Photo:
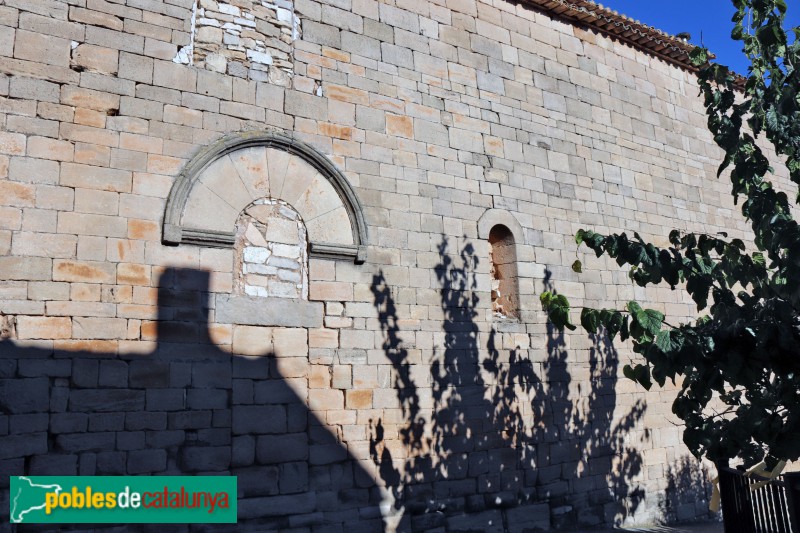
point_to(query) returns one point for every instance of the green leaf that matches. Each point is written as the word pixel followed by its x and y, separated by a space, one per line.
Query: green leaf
pixel 699 56
pixel 668 341
pixel 557 308
pixel 743 352
pixel 590 319
pixel 545 298
pixel 649 319
pixel 634 307
pixel 627 370
pixel 641 374
pixel 577 267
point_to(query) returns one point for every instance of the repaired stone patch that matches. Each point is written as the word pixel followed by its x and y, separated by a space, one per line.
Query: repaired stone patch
pixel 271 251
pixel 252 39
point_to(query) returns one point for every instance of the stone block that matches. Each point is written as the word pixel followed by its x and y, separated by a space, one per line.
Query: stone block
pixel 44 148
pixel 278 449
pixel 323 400
pixel 54 465
pixel 30 368
pixel 96 58
pixel 84 373
pixel 12 143
pixel 174 76
pixel 243 450
pixel 165 439
pixel 25 268
pixel 255 311
pixel 113 39
pixel 41 48
pixel 95 18
pixel 68 422
pixel 39 327
pixel 342 377
pixel 23 445
pixel 257 480
pixel 325 454
pixel 86 442
pixel 190 420
pixel 34 89
pixel 149 374
pixel 28 423
pixel 211 375
pixel 159 421
pixel 130 440
pixel 106 400
pixel 30 170
pixel 165 400
pixel 293 477
pixel 89 99
pixel 252 340
pixel 358 399
pixel 487 521
pixel 99 225
pixel 106 422
pixel 111 463
pixel 135 67
pixel 305 105
pixel 259 419
pixel 270 96
pixel 322 34
pixel 207 398
pixel 204 459
pixel 250 367
pixel 99 328
pixel 249 508
pixel 526 517
pixel 146 461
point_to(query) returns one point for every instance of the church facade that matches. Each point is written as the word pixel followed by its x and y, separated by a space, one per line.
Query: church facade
pixel 301 242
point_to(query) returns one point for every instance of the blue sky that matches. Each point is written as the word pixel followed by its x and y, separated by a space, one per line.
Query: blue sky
pixel 711 18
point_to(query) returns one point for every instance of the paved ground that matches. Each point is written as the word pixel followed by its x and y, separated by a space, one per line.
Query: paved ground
pixel 708 527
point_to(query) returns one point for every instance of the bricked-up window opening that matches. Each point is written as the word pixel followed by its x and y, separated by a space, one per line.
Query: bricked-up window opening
pixel 252 39
pixel 503 270
pixel 271 251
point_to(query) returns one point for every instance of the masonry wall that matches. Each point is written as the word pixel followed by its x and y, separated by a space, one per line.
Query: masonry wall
pixel 398 400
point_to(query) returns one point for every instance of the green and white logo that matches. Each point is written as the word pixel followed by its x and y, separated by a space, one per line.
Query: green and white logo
pixel 120 499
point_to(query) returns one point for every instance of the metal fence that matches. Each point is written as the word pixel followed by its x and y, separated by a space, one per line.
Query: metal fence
pixel 751 506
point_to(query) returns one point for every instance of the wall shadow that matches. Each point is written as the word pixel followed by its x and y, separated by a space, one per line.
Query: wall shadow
pixel 688 492
pixel 182 407
pixel 501 433
pixel 588 436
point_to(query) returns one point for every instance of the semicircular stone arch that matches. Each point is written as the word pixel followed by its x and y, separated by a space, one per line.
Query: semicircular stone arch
pixel 227 176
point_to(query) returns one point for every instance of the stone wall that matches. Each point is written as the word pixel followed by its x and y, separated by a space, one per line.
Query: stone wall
pixel 390 397
pixel 247 39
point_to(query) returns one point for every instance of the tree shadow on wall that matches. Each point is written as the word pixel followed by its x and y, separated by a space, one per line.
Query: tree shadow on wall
pixel 587 434
pixel 688 492
pixel 181 406
pixel 488 431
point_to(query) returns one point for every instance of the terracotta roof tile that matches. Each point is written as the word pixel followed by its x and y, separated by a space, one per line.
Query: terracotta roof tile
pixel 641 36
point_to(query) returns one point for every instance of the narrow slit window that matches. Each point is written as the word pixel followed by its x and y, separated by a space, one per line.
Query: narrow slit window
pixel 503 270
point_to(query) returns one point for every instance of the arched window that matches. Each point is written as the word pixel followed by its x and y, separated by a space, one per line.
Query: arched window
pixel 503 271
pixel 222 180
pixel 271 251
